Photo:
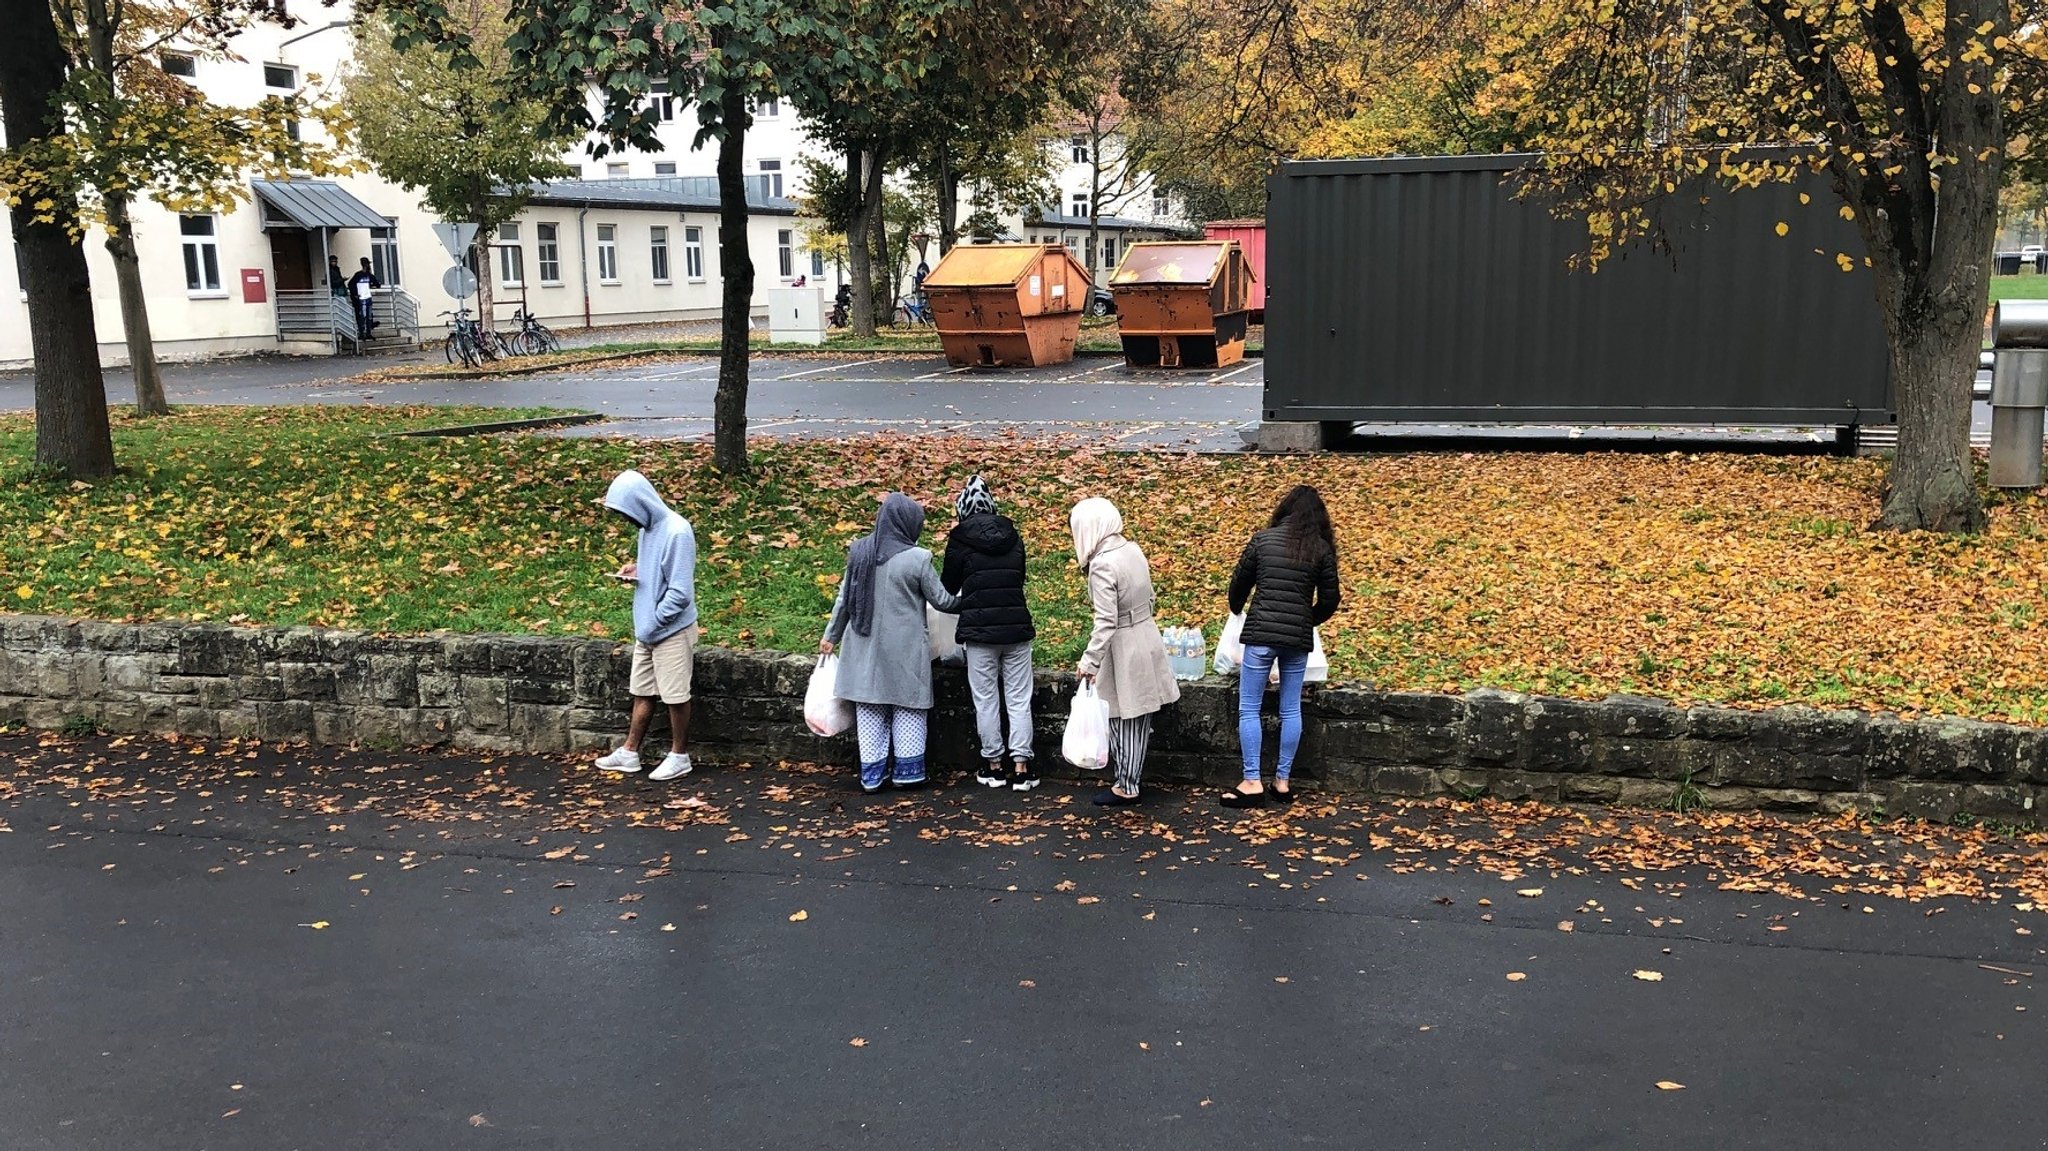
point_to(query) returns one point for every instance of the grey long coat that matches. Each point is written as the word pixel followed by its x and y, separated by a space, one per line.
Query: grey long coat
pixel 1125 651
pixel 893 664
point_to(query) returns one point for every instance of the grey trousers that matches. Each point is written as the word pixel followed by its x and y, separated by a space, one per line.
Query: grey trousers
pixel 1000 680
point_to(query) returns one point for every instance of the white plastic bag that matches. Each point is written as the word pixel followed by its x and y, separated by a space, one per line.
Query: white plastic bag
pixel 1318 665
pixel 1086 742
pixel 941 629
pixel 1230 645
pixel 824 712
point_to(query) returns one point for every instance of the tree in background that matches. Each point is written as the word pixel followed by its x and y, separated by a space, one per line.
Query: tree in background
pixel 465 138
pixel 1911 106
pixel 72 438
pixel 134 130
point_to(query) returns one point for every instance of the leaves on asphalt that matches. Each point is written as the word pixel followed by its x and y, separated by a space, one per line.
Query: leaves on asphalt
pixel 799 916
pixel 1650 976
pixel 1517 976
pixel 1668 1085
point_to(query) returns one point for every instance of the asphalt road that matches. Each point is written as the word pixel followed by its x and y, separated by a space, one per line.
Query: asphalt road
pixel 1093 397
pixel 203 950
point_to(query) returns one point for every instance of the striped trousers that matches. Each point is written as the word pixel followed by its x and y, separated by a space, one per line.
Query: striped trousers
pixel 1128 739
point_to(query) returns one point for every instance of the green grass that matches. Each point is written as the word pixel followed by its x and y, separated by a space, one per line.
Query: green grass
pixel 2027 286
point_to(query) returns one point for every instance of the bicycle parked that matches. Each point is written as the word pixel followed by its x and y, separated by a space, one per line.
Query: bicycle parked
pixel 533 337
pixel 468 341
pixel 915 310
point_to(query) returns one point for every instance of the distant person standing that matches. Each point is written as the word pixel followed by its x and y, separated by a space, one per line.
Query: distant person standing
pixel 1288 572
pixel 663 573
pixel 336 282
pixel 360 287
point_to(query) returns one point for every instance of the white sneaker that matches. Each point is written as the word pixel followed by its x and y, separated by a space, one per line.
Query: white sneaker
pixel 677 764
pixel 624 761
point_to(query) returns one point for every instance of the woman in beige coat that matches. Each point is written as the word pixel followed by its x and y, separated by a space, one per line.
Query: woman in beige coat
pixel 1126 658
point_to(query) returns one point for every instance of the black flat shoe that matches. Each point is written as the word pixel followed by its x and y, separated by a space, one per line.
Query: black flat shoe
pixel 1108 797
pixel 1281 797
pixel 1236 798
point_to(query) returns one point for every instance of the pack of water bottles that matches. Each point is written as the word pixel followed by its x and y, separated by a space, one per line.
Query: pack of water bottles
pixel 1187 652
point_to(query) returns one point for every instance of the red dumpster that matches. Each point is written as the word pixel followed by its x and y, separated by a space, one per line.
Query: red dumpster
pixel 1251 236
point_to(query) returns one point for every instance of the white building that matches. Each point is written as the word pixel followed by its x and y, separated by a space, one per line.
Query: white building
pixel 253 279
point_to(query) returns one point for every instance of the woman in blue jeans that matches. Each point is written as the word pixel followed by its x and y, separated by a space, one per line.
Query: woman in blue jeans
pixel 1289 573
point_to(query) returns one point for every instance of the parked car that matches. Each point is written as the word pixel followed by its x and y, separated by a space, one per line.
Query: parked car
pixel 1101 302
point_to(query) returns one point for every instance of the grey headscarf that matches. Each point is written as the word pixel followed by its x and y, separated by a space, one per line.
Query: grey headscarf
pixel 975 500
pixel 897 526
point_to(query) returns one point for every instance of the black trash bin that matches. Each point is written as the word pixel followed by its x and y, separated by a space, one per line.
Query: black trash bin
pixel 2008 264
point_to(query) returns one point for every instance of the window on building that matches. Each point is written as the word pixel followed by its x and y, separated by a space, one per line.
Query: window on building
pixel 607 253
pixel 785 253
pixel 615 171
pixel 771 176
pixel 664 167
pixel 280 76
pixel 1161 202
pixel 384 253
pixel 1108 252
pixel 1077 147
pixel 548 250
pixel 693 253
pixel 511 257
pixel 202 254
pixel 657 253
pixel 1080 203
pixel 817 264
pixel 179 64
pixel 770 108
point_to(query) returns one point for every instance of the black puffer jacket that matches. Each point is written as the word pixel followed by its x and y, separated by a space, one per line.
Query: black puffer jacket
pixel 1291 600
pixel 984 566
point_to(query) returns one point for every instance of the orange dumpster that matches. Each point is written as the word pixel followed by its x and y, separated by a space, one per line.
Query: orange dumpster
pixel 1008 305
pixel 1183 303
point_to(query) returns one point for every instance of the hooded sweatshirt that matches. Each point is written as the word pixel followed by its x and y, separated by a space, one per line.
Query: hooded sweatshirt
pixel 984 566
pixel 665 598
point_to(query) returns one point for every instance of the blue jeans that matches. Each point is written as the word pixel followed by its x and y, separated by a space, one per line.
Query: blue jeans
pixel 1251 696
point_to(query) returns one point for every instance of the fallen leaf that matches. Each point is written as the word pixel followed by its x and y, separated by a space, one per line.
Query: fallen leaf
pixel 560 884
pixel 668 927
pixel 317 925
pixel 231 1114
pixel 554 911
pixel 1566 925
pixel 629 916
pixel 478 1120
pixel 799 917
pixel 1085 900
pixel 1279 979
pixel 1529 892
pixel 1517 976
pixel 358 875
pixel 1668 1085
pixel 856 1041
pixel 1026 983
pixel 1650 976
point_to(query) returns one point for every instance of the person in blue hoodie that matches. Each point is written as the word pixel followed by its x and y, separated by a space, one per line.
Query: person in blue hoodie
pixel 664 579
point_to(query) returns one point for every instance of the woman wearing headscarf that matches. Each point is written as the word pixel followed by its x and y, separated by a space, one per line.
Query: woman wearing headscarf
pixel 985 565
pixel 1289 573
pixel 1126 658
pixel 885 670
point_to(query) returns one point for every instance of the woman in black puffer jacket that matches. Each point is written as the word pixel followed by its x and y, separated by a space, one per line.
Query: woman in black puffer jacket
pixel 984 566
pixel 1289 573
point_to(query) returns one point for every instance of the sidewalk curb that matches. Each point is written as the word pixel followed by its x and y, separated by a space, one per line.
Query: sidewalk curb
pixel 790 352
pixel 496 426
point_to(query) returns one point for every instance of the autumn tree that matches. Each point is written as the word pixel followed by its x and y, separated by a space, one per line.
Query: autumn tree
pixel 72 437
pixel 1910 107
pixel 134 131
pixel 466 138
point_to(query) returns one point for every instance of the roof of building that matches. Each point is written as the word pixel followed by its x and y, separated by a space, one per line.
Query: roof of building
pixel 314 204
pixel 665 193
pixel 1117 223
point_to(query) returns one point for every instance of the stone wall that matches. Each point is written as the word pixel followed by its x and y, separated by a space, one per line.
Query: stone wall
pixel 556 695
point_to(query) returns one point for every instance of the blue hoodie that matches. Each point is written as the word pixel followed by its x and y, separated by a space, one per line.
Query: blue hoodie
pixel 665 598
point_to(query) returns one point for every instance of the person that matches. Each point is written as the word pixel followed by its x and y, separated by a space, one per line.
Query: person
pixel 984 565
pixel 1289 573
pixel 336 282
pixel 799 282
pixel 664 578
pixel 886 669
pixel 360 286
pixel 1125 658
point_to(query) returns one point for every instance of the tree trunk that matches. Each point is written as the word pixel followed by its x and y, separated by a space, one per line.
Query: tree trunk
pixel 864 168
pixel 892 264
pixel 149 380
pixel 480 249
pixel 1932 482
pixel 736 262
pixel 949 200
pixel 72 438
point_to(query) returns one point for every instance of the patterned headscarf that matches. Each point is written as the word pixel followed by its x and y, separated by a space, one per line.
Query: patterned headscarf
pixel 975 500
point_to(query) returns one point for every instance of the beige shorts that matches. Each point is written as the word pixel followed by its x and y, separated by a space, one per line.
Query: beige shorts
pixel 664 669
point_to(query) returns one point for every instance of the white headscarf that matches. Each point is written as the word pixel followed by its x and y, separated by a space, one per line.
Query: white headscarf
pixel 1095 522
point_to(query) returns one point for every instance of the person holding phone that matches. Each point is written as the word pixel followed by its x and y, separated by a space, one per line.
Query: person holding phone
pixel 664 578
